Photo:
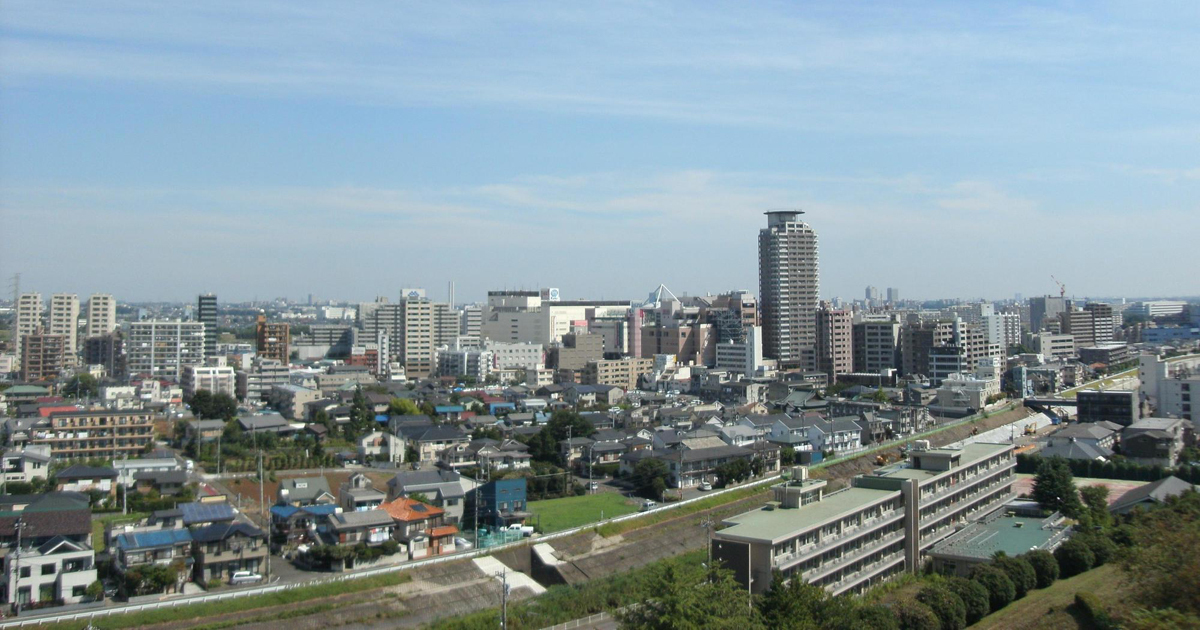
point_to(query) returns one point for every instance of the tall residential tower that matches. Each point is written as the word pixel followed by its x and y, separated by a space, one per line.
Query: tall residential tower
pixel 788 284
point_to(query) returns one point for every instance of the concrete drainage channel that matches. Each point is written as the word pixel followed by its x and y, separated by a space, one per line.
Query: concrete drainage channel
pixel 481 558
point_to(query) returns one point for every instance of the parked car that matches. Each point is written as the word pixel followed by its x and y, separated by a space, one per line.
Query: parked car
pixel 462 544
pixel 705 486
pixel 647 505
pixel 244 577
pixel 526 530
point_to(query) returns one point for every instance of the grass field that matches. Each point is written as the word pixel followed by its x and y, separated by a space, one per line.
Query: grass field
pixel 1051 608
pixel 559 514
pixel 99 523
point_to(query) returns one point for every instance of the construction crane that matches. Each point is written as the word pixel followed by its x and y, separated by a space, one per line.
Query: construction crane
pixel 1062 288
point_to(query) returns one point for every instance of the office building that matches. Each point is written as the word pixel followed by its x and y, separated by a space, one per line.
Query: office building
pixel 1108 405
pixel 1052 346
pixel 575 351
pixel 101 315
pixel 162 348
pixel 692 342
pixel 788 288
pixel 411 330
pixel 1156 308
pixel 29 318
pixel 471 320
pixel 1043 309
pixel 875 343
pixel 272 340
pixel 835 341
pixel 884 524
pixel 206 314
pixel 43 356
pixel 743 357
pixel 871 295
pixel 64 320
pixel 893 296
pixel 1092 325
pixel 447 324
pixel 1110 354
pixel 916 342
pixel 110 434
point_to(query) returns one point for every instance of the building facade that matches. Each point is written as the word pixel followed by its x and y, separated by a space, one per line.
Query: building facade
pixel 111 434
pixel 788 288
pixel 835 341
pixel 206 314
pixel 163 348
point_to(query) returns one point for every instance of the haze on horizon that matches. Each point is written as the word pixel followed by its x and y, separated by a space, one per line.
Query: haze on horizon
pixel 155 151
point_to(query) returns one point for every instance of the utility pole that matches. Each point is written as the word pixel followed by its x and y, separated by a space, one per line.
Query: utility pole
pixel 20 527
pixel 263 514
pixel 503 599
pixel 707 524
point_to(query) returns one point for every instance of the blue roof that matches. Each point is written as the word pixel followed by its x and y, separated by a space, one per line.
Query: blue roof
pixel 160 538
pixel 196 512
pixel 383 417
pixel 287 511
pixel 449 408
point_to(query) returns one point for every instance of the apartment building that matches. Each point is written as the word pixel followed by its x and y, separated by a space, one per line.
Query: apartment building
pixel 206 315
pixel 875 343
pixel 108 433
pixel 272 339
pixel 43 356
pixel 1168 387
pixel 1092 325
pixel 744 357
pixel 29 318
pixel 107 350
pixel 163 348
pixel 916 342
pixel 621 373
pixel 574 351
pixel 214 379
pixel 255 384
pixel 1045 309
pixel 788 288
pixel 101 315
pixel 690 341
pixel 63 320
pixel 1052 345
pixel 411 329
pixel 835 341
pixel 884 524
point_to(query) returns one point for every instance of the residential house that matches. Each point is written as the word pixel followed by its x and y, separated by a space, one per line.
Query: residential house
pixel 204 430
pixel 1153 441
pixel 445 489
pixel 87 479
pixel 127 469
pixel 25 465
pixel 380 446
pixel 1150 495
pixel 222 549
pixel 691 467
pixel 502 455
pixel 301 491
pixel 430 440
pixel 164 482
pixel 162 547
pixel 371 527
pixel 421 528
pixel 502 502
pixel 358 494
pixel 294 525
pixel 266 423
pixel 55 572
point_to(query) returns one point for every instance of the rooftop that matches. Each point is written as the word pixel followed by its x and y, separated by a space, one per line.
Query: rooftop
pixel 1002 531
pixel 967 454
pixel 779 524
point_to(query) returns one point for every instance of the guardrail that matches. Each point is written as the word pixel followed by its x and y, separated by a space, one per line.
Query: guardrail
pixel 406 566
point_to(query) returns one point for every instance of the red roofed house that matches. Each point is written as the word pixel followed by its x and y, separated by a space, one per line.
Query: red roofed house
pixel 420 527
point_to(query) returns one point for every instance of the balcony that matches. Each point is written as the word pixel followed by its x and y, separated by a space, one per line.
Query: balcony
pixel 828 541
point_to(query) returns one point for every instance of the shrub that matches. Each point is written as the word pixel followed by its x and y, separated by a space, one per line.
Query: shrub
pixel 913 615
pixel 949 607
pixel 1022 574
pixel 1074 557
pixel 974 596
pixel 1000 589
pixel 874 616
pixel 214 583
pixel 1045 567
pixel 1103 548
pixel 1092 610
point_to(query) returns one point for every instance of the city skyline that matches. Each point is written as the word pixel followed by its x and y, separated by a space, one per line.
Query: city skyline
pixel 920 143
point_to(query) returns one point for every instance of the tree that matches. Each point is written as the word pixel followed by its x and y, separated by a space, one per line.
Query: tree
pixel 734 471
pixel 973 595
pixel 1054 487
pixel 792 604
pixel 206 405
pixel 1000 589
pixel 1074 557
pixel 693 597
pixel 1022 574
pixel 1102 547
pixel 787 456
pixel 650 478
pixel 913 615
pixel 403 407
pixel 1045 567
pixel 1162 564
pixel 757 466
pixel 82 385
pixel 946 604
pixel 1095 504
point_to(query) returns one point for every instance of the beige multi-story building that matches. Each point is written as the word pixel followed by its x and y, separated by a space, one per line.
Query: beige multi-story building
pixel 214 379
pixel 101 315
pixel 43 356
pixel 884 524
pixel 621 373
pixel 575 351
pixel 447 324
pixel 788 288
pixel 835 341
pixel 64 320
pixel 1052 346
pixel 876 343
pixel 1090 326
pixel 163 348
pixel 272 339
pixel 30 317
pixel 690 342
pixel 109 433
pixel 412 331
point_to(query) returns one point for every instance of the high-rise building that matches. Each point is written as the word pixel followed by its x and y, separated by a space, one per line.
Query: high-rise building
pixel 893 295
pixel 447 324
pixel 1090 326
pixel 272 339
pixel 64 320
pixel 43 356
pixel 411 330
pixel 29 318
pixel 206 313
pixel 1044 308
pixel 107 350
pixel 101 315
pixel 876 344
pixel 162 348
pixel 871 294
pixel 835 339
pixel 788 288
pixel 471 320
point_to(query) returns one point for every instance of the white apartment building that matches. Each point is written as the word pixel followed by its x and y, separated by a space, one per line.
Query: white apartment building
pixel 163 348
pixel 746 357
pixel 101 314
pixel 30 314
pixel 525 356
pixel 1003 329
pixel 1168 386
pixel 788 288
pixel 1053 345
pixel 1156 308
pixel 64 320
pixel 217 380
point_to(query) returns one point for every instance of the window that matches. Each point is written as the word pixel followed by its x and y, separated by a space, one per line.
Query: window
pixel 78 591
pixel 25 572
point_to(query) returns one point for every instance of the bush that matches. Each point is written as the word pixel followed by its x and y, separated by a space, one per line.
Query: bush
pixel 214 583
pixel 1023 577
pixel 973 595
pixel 1093 611
pixel 1044 566
pixel 1000 589
pixel 913 615
pixel 949 607
pixel 1074 557
pixel 1103 548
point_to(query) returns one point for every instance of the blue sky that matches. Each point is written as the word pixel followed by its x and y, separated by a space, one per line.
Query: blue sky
pixel 158 150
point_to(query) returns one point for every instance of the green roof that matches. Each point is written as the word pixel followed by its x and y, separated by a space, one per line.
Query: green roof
pixel 26 389
pixel 780 523
pixel 1014 535
pixel 967 454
